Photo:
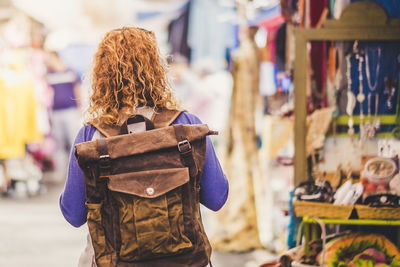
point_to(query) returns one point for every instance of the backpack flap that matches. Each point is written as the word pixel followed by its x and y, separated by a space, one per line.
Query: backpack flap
pixel 148 184
pixel 139 143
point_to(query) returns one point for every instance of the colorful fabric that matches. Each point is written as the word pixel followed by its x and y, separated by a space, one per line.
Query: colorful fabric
pixel 18 110
pixel 63 84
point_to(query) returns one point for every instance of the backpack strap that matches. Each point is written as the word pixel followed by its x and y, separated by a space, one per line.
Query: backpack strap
pixel 165 117
pixel 185 149
pixel 105 129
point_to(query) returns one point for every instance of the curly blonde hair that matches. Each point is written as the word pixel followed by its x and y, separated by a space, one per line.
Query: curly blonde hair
pixel 128 72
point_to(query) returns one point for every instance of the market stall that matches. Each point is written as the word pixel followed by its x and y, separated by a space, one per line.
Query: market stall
pixel 346 148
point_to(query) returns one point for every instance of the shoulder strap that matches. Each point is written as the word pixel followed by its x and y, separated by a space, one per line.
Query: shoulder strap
pixel 105 129
pixel 165 117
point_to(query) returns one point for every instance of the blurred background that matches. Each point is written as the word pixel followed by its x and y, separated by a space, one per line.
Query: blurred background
pixel 230 63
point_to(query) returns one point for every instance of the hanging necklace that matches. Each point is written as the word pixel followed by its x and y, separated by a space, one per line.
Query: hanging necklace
pixel 377 121
pixel 361 96
pixel 390 85
pixel 367 70
pixel 335 77
pixel 351 99
pixel 372 128
pixel 369 129
pixel 396 130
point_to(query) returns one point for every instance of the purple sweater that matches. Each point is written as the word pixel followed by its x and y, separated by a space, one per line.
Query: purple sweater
pixel 214 185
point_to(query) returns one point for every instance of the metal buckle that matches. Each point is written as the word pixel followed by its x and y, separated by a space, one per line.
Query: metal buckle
pixel 104 161
pixel 182 143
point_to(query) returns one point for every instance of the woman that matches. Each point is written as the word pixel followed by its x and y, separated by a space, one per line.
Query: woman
pixel 129 77
pixel 65 110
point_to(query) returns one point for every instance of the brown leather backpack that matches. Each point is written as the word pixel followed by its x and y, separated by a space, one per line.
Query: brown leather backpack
pixel 142 193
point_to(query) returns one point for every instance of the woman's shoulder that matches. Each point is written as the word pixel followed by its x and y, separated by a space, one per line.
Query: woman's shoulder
pixel 85 133
pixel 187 118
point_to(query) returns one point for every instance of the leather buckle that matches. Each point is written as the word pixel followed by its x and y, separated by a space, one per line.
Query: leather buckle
pixel 181 147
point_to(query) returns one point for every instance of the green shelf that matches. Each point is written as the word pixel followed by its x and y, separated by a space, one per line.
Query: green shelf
pixel 384 119
pixel 310 220
pixel 342 120
pixel 307 219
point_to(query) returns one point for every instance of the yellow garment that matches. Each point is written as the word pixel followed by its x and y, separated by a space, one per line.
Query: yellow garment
pixel 18 109
pixel 277 134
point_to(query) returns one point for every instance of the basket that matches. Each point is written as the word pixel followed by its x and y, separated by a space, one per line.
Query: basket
pixel 322 210
pixel 382 213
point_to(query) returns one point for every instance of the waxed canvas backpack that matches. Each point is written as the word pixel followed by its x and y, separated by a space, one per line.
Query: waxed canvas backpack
pixel 142 193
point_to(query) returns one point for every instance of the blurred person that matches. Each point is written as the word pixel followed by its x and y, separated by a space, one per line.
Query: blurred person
pixel 65 114
pixel 129 78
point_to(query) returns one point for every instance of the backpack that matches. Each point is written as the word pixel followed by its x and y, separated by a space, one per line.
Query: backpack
pixel 143 193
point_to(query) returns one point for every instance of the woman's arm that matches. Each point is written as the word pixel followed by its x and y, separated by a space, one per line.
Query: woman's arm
pixel 214 185
pixel 72 199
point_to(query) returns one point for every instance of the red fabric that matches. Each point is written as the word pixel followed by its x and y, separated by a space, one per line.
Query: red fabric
pixel 318 53
pixel 271 25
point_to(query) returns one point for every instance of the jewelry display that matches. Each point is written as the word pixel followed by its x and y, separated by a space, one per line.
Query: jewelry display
pixel 372 128
pixel 361 95
pixel 377 121
pixel 351 99
pixel 390 85
pixel 396 130
pixel 390 90
pixel 369 129
pixel 372 87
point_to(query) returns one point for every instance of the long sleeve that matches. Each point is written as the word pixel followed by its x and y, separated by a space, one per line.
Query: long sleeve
pixel 214 185
pixel 72 200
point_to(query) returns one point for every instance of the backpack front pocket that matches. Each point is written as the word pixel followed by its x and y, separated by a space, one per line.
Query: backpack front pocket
pixel 151 213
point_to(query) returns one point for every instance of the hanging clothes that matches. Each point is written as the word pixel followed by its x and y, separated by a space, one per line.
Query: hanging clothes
pixel 280 50
pixel 290 9
pixel 318 56
pixel 18 114
pixel 178 32
pixel 209 37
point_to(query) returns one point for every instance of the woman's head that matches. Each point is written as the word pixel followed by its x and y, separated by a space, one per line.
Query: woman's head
pixel 128 72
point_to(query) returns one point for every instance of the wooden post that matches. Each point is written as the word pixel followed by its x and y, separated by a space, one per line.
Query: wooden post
pixel 300 108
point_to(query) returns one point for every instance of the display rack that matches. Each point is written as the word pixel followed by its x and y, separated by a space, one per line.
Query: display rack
pixel 363 21
pixel 313 222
